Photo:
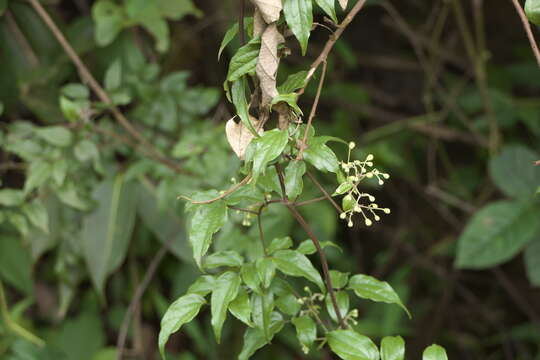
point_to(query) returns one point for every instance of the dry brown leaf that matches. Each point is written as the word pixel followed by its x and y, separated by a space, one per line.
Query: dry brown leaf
pixel 258 23
pixel 239 136
pixel 268 62
pixel 343 4
pixel 270 9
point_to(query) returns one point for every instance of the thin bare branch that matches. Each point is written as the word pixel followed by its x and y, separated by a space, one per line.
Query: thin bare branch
pixel 222 195
pixel 528 30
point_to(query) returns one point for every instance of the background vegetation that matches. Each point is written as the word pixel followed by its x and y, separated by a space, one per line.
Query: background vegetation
pixel 444 94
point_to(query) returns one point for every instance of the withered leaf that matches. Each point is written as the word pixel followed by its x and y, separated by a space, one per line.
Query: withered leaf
pixel 343 3
pixel 267 63
pixel 270 9
pixel 239 135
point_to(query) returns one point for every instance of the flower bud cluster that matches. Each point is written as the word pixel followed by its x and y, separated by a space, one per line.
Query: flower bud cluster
pixel 355 201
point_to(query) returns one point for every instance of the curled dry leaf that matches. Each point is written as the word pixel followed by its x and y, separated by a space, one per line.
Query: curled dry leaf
pixel 258 23
pixel 239 136
pixel 343 4
pixel 268 62
pixel 270 9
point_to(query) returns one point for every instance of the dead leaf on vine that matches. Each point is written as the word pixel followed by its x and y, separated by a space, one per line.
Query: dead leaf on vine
pixel 268 62
pixel 258 23
pixel 270 9
pixel 343 4
pixel 239 136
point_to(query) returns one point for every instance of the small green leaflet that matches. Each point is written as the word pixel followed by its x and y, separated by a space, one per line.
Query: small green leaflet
pixel 496 233
pixel 11 197
pixel 294 263
pixel 36 212
pixel 434 352
pixel 109 19
pixel 349 345
pixel 245 60
pixel 266 269
pixel 180 312
pixel 532 9
pixel 342 299
pixel 329 8
pixel 306 331
pixel 368 287
pixel 254 339
pixel 320 155
pixel 55 135
pixel 306 247
pixel 229 35
pixel 206 221
pixel 279 244
pixel 289 99
pixel 262 307
pixel 203 285
pixel 238 93
pixel 299 17
pixel 339 279
pixel 223 258
pixel 264 149
pixel 224 292
pixel 294 82
pixel 240 307
pixel 288 303
pixel 294 184
pixel 392 348
pixel 250 277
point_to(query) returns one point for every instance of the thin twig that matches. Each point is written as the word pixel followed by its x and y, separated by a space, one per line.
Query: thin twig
pixel 312 113
pixel 241 27
pixel 87 76
pixel 311 201
pixel 322 189
pixel 222 195
pixel 528 30
pixel 311 234
pixel 137 297
pixel 332 41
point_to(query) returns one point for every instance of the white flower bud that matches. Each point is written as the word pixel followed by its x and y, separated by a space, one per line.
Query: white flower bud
pixel 377 218
pixel 350 224
pixel 357 209
pixel 352 145
pixel 342 215
pixel 381 182
pixel 370 157
pixel 386 211
pixel 368 222
pixel 386 176
pixel 371 198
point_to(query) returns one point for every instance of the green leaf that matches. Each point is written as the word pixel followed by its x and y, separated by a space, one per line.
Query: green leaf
pixel 532 9
pixel 109 19
pixel 15 263
pixel 69 195
pixel 59 171
pixel 342 299
pixel 339 279
pixel 223 258
pixel 279 244
pixel 39 172
pixel 288 303
pixel 321 156
pixel 71 109
pixel 86 150
pixel 266 269
pixel 513 171
pixel 55 135
pixel 238 93
pixel 254 339
pixel 294 263
pixel 206 221
pixel 306 331
pixel 240 307
pixel 299 17
pixel 329 8
pixel 11 197
pixel 294 82
pixel 177 9
pixel 36 212
pixel 76 91
pixel 434 352
pixel 180 312
pixel 392 348
pixel 349 345
pixel 250 277
pixel 113 76
pixel 245 60
pixel 289 99
pixel 266 148
pixel 532 261
pixel 306 247
pixel 496 233
pixel 225 291
pixel 19 222
pixel 229 35
pixel 106 232
pixel 203 285
pixel 368 287
pixel 343 188
pixel 294 184
pixel 262 307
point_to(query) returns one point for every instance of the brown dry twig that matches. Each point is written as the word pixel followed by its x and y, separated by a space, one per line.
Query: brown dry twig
pixel 222 195
pixel 528 30
pixel 87 77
